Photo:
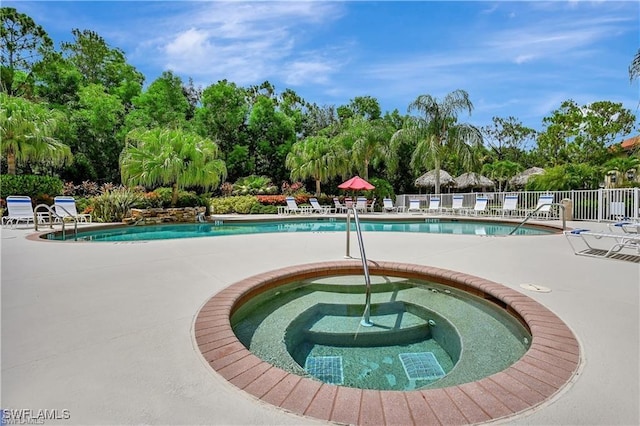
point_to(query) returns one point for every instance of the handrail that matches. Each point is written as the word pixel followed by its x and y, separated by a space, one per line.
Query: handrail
pixel 562 207
pixel 367 279
pixel 52 211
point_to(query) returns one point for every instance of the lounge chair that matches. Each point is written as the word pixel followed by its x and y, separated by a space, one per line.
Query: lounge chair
pixel 456 205
pixel 479 208
pixel 65 208
pixel 599 244
pixel 292 206
pixel 388 207
pixel 372 207
pixel 414 206
pixel 339 207
pixel 543 208
pixel 509 206
pixel 625 227
pixel 317 208
pixel 361 205
pixel 434 205
pixel 617 210
pixel 19 209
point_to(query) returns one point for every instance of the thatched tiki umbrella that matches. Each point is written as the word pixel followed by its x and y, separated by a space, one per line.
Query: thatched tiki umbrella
pixel 429 179
pixel 473 180
pixel 521 179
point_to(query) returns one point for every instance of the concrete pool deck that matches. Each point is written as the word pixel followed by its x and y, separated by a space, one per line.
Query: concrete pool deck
pixel 106 330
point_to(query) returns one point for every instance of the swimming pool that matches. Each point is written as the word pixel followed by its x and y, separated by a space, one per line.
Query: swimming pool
pixel 234 227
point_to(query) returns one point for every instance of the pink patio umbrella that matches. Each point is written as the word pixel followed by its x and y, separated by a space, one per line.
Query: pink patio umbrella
pixel 356 183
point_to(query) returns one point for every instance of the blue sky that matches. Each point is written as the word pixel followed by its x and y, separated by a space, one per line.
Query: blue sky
pixel 520 58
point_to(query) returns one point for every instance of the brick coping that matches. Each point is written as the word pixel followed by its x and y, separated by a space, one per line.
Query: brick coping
pixel 550 364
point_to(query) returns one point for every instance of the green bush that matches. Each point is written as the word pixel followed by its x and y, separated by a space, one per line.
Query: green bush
pixel 38 187
pixel 115 205
pixel 383 190
pixel 236 204
pixel 263 209
pixel 253 185
pixel 161 197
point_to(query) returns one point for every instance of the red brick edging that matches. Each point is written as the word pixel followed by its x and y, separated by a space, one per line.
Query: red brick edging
pixel 546 368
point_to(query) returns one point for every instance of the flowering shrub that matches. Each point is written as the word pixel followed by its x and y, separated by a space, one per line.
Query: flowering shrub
pixel 295 188
pixel 226 189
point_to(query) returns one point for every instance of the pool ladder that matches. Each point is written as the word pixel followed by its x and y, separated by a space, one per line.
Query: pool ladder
pixel 365 322
pixel 563 215
pixel 52 213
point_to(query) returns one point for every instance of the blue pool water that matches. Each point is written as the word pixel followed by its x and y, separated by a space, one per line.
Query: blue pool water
pixel 219 228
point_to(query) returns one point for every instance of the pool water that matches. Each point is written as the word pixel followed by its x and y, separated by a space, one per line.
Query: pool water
pixel 424 335
pixel 220 228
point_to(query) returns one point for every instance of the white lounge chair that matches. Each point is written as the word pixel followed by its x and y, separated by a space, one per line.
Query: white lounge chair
pixel 361 205
pixel 456 205
pixel 19 209
pixel 414 206
pixel 509 206
pixel 434 205
pixel 388 207
pixel 292 206
pixel 625 227
pixel 317 208
pixel 372 207
pixel 598 244
pixel 65 207
pixel 479 208
pixel 543 208
pixel 617 210
pixel 339 207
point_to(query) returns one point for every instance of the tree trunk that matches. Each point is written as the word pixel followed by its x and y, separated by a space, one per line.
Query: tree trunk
pixel 174 195
pixel 11 163
pixel 317 187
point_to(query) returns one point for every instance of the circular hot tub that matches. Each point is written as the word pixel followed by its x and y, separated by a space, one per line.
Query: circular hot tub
pixel 421 357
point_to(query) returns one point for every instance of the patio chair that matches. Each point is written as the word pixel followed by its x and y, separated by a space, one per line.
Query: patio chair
pixel 372 207
pixel 339 207
pixel 599 244
pixel 361 205
pixel 317 208
pixel 509 206
pixel 414 206
pixel 388 207
pixel 292 206
pixel 625 227
pixel 479 208
pixel 19 209
pixel 434 205
pixel 543 208
pixel 456 205
pixel 65 208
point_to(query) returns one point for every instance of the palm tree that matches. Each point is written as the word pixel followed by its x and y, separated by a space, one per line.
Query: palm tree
pixel 171 157
pixel 438 131
pixel 316 157
pixel 634 68
pixel 368 141
pixel 501 171
pixel 621 167
pixel 26 134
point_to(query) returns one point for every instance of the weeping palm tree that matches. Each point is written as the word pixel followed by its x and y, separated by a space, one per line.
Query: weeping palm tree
pixel 368 142
pixel 318 158
pixel 26 134
pixel 634 68
pixel 171 157
pixel 437 132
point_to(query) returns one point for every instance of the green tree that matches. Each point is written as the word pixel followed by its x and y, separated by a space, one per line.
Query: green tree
pixel 97 124
pixel 622 166
pixel 22 45
pixel 501 171
pixel 367 141
pixel 575 134
pixel 506 138
pixel 566 177
pixel 271 134
pixel 223 115
pixel 171 157
pixel 57 80
pixel 100 64
pixel 316 157
pixel 162 104
pixel 437 131
pixel 27 134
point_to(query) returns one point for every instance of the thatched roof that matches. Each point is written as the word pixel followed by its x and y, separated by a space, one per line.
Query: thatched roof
pixel 473 180
pixel 429 179
pixel 522 178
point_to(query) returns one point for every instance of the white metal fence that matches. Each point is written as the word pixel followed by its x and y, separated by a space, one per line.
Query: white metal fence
pixel 590 205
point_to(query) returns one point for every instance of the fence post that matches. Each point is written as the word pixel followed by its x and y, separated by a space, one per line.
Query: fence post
pixel 636 203
pixel 600 204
